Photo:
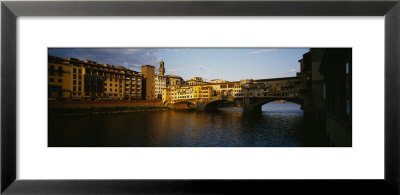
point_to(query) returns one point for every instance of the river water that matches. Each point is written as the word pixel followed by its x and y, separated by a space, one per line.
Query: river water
pixel 276 126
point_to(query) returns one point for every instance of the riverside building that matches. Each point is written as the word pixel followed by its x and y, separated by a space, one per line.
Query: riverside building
pixel 73 79
pixel 196 81
pixel 149 75
pixel 160 81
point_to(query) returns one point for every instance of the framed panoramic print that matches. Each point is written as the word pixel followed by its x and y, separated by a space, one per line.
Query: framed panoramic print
pixel 199 97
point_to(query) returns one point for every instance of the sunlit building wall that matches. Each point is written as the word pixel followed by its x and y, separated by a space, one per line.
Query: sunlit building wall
pixel 73 79
pixel 195 81
pixel 173 81
pixel 59 79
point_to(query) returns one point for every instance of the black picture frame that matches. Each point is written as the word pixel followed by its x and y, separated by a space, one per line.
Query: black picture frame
pixel 10 10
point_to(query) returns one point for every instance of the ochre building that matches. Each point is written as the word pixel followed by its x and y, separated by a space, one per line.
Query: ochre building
pixel 73 79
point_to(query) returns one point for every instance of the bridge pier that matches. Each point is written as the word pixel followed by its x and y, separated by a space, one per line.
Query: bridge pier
pixel 200 106
pixel 249 107
pixel 204 106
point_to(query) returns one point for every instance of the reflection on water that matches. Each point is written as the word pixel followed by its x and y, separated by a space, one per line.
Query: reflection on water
pixel 276 126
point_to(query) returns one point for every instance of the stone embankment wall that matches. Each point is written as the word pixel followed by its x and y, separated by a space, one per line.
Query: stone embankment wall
pixel 69 108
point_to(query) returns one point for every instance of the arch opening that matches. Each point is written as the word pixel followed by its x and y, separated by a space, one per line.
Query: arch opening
pixel 184 105
pixel 214 105
pixel 283 106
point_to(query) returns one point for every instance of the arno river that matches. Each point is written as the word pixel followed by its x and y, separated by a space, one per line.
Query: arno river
pixel 276 126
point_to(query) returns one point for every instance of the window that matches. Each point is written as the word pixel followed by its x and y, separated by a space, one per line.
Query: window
pixel 348 89
pixel 80 71
pixel 79 82
pixel 60 71
pixel 51 80
pixel 74 82
pixel 59 80
pixel 74 70
pixel 52 70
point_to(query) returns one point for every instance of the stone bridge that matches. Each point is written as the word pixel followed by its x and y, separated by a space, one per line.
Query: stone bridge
pixel 251 94
pixel 203 104
pixel 254 104
pixel 249 104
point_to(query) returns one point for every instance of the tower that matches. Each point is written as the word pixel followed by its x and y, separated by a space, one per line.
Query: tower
pixel 148 84
pixel 161 69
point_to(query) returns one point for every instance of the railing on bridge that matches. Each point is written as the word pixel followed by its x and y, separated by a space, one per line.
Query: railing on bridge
pixel 232 98
pixel 271 95
pixel 208 99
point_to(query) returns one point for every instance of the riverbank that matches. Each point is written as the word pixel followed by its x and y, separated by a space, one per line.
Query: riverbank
pixel 79 108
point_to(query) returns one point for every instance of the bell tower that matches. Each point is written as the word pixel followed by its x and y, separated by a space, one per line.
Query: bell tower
pixel 161 69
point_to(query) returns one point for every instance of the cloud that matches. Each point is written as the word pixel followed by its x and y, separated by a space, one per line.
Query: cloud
pixel 131 58
pixel 200 67
pixel 131 51
pixel 289 72
pixel 168 50
pixel 263 51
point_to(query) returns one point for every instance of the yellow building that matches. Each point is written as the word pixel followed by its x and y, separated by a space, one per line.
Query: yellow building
pixel 181 93
pixel 78 82
pixel 201 92
pixel 206 92
pixel 59 79
pixel 73 79
pixel 196 81
pixel 166 95
pixel 196 92
pixel 174 94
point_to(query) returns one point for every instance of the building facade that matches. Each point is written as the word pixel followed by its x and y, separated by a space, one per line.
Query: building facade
pixel 73 79
pixel 173 81
pixel 148 72
pixel 60 79
pixel 160 81
pixel 326 82
pixel 133 85
pixel 336 68
pixel 195 81
pixel 218 81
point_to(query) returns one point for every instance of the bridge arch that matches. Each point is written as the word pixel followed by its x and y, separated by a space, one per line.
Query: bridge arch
pixel 182 105
pixel 214 105
pixel 296 101
pixel 255 104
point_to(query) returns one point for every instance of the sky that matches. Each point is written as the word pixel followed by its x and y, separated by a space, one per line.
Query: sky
pixel 231 64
